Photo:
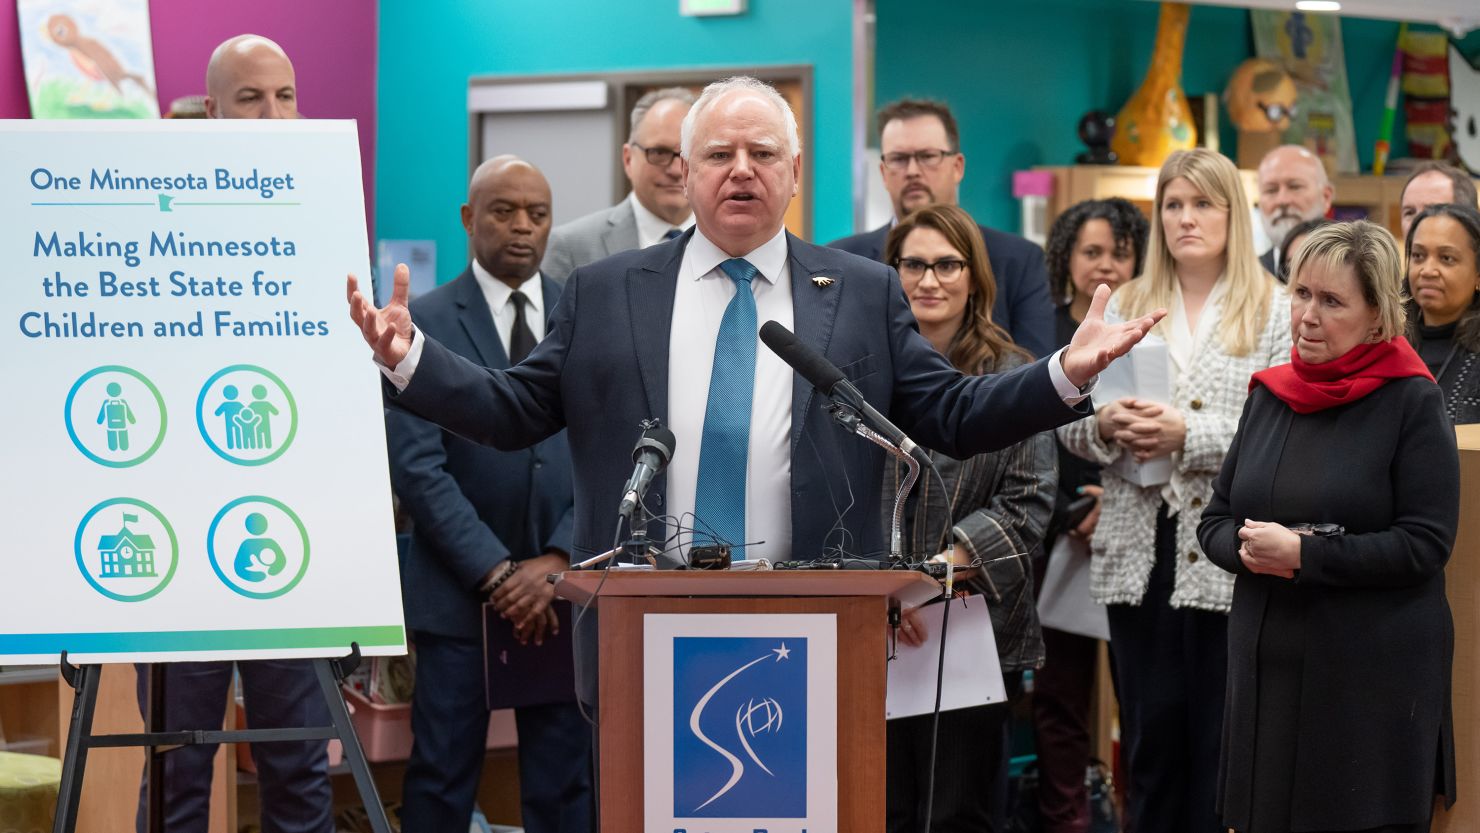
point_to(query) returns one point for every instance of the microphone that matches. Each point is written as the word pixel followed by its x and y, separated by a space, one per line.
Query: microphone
pixel 654 450
pixel 827 378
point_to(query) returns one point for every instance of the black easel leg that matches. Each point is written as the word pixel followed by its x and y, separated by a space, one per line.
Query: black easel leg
pixel 155 808
pixel 84 681
pixel 354 754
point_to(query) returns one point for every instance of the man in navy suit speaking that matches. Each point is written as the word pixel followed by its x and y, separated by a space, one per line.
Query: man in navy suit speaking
pixel 670 332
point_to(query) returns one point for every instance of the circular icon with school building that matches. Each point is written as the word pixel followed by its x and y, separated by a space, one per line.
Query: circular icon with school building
pixel 258 547
pixel 246 414
pixel 115 416
pixel 126 549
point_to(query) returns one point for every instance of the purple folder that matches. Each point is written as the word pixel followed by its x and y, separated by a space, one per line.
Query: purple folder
pixel 527 675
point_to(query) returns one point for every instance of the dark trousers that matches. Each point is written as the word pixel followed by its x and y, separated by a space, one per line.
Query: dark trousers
pixel 1171 666
pixel 970 754
pixel 1416 827
pixel 971 763
pixel 1062 692
pixel 449 725
pixel 292 778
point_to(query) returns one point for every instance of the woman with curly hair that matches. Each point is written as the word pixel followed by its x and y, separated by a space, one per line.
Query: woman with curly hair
pixel 1094 243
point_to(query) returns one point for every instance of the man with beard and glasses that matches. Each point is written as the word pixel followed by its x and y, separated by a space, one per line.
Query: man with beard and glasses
pixel 922 164
pixel 1293 188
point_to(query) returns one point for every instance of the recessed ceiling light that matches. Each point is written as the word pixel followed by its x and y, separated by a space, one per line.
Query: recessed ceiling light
pixel 1318 6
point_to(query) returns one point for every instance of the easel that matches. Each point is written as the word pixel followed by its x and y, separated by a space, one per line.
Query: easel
pixel 84 681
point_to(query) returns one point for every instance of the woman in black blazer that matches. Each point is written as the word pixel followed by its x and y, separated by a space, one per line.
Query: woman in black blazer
pixel 1336 508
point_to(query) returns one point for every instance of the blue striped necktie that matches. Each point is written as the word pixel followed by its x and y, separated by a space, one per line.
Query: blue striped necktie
pixel 719 504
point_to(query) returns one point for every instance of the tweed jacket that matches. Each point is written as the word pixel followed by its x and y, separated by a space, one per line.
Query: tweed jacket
pixel 994 505
pixel 1210 393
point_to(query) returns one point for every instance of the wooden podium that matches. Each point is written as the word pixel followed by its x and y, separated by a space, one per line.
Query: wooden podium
pixel 1462 583
pixel 859 600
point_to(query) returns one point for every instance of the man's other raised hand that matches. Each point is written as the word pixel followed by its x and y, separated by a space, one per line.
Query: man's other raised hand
pixel 387 330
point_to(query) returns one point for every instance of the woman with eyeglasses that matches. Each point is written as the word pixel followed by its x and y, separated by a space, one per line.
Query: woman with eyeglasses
pixel 1166 603
pixel 1444 310
pixel 993 507
pixel 1094 243
pixel 1336 509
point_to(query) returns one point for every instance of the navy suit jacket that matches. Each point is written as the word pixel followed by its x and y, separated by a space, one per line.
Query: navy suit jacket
pixel 472 506
pixel 1022 308
pixel 603 368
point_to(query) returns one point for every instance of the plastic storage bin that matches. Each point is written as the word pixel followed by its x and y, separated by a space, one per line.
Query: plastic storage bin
pixel 385 731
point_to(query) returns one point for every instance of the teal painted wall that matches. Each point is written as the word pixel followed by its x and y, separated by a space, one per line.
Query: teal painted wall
pixel 429 50
pixel 1019 75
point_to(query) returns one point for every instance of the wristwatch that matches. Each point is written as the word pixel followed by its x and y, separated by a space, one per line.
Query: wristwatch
pixel 1318 530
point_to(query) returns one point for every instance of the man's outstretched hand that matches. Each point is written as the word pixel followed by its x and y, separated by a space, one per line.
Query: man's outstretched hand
pixel 1097 342
pixel 387 331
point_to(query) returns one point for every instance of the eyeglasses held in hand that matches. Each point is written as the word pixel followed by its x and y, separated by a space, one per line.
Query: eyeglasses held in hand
pixel 947 269
pixel 929 158
pixel 662 157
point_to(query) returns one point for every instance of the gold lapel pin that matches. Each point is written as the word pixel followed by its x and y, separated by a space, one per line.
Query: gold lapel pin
pixel 822 281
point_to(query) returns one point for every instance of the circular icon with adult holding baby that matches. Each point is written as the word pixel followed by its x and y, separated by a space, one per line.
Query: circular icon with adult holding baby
pixel 246 415
pixel 258 547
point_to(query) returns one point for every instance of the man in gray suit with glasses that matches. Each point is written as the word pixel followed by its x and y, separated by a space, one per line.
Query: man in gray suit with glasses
pixel 656 210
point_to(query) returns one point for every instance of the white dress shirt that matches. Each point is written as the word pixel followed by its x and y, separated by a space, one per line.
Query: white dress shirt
pixel 498 295
pixel 699 303
pixel 651 227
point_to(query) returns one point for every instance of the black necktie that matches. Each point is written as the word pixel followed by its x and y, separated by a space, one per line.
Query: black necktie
pixel 521 338
pixel 672 233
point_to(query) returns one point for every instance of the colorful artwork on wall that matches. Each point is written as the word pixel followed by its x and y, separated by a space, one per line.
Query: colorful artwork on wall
pixel 1426 93
pixel 88 59
pixel 1464 108
pixel 1309 48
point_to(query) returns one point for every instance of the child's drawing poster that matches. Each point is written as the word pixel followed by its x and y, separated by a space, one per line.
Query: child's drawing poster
pixel 88 59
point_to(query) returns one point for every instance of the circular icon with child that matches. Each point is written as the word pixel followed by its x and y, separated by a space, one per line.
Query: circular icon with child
pixel 246 415
pixel 115 416
pixel 258 547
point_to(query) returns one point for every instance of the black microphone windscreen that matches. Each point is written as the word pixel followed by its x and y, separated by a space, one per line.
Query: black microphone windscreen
pixel 659 439
pixel 823 374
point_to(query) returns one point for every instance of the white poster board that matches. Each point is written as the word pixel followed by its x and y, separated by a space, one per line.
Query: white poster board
pixel 196 458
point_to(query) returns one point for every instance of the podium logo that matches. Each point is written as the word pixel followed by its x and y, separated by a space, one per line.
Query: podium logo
pixel 740 727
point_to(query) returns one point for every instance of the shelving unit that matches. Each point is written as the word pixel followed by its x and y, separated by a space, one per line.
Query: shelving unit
pixel 1377 198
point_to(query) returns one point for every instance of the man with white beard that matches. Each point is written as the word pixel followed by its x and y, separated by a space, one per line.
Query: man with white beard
pixel 1293 188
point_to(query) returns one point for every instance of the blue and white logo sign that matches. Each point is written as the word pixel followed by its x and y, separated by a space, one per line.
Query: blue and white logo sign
pixel 740 727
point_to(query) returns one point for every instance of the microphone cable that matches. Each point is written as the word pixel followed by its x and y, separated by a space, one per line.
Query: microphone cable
pixel 940 664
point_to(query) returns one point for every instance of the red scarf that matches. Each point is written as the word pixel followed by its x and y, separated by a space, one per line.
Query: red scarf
pixel 1308 388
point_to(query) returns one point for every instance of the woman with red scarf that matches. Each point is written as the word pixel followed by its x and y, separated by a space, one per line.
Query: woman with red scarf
pixel 1336 509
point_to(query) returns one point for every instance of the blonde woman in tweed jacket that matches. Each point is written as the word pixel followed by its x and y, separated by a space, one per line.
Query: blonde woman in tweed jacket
pixel 1167 603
